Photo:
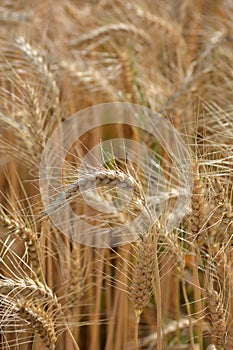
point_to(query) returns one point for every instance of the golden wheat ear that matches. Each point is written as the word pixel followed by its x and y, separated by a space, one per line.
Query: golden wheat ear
pixel 218 327
pixel 29 237
pixel 39 320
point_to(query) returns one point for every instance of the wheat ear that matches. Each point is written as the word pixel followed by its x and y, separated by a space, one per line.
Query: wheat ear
pixel 220 223
pixel 14 18
pixel 42 68
pixel 105 177
pixel 110 30
pixel 91 80
pixel 145 274
pixel 141 287
pixel 29 237
pixel 217 318
pixel 76 272
pixel 29 288
pixel 211 347
pixel 158 22
pixel 39 320
pixel 199 208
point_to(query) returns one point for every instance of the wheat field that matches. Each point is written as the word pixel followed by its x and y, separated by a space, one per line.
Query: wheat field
pixel 156 289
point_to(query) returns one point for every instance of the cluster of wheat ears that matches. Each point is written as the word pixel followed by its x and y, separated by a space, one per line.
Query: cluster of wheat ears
pixel 168 289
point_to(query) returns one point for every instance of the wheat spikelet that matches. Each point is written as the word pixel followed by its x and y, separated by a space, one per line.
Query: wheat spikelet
pixel 35 120
pixel 26 105
pixel 35 114
pixel 26 146
pixel 111 178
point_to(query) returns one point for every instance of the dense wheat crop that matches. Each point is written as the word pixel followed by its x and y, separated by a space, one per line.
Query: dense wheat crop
pixel 167 281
